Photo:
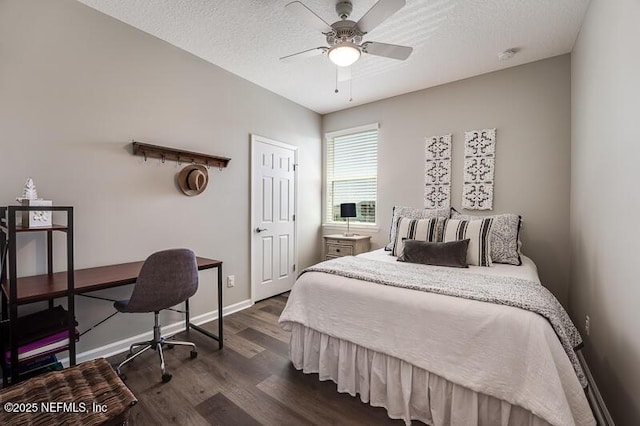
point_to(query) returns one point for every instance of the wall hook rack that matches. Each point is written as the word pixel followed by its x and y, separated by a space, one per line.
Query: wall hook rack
pixel 165 153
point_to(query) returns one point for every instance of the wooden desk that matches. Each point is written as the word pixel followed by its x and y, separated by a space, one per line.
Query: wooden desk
pixel 46 287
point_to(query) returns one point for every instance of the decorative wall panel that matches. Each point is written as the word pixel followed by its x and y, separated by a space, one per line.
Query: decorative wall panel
pixel 479 166
pixel 437 172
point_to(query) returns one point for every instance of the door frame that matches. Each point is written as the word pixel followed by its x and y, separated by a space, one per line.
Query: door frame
pixel 255 139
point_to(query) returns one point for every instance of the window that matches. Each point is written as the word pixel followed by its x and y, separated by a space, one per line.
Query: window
pixel 352 173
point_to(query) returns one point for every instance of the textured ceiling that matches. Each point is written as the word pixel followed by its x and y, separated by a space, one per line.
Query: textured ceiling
pixel 452 40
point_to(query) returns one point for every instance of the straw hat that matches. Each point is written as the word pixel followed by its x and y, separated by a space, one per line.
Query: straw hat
pixel 193 179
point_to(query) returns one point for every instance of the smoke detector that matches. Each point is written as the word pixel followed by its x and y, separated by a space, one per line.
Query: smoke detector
pixel 507 54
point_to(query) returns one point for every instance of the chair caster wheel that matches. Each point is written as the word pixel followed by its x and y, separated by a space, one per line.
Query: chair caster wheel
pixel 166 377
pixel 170 346
pixel 194 354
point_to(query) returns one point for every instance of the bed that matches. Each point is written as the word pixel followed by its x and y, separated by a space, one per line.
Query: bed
pixel 433 357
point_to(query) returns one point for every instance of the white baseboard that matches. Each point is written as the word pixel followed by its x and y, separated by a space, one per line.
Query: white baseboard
pixel 168 330
pixel 600 411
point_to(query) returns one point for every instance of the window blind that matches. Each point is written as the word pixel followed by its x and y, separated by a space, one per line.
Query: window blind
pixel 352 175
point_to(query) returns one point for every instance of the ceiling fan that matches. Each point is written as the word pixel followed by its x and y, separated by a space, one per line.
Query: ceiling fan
pixel 344 37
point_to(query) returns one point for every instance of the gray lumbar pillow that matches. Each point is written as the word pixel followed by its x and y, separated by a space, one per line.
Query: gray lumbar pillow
pixel 452 254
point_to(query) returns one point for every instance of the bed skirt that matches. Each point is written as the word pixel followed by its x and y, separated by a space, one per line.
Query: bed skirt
pixel 407 392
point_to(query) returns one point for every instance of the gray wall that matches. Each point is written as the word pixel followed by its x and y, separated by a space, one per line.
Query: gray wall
pixel 605 202
pixel 75 87
pixel 530 107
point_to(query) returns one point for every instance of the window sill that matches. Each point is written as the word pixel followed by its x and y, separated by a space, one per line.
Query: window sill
pixel 342 227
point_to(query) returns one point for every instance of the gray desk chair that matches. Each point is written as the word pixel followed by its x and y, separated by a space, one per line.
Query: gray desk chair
pixel 166 279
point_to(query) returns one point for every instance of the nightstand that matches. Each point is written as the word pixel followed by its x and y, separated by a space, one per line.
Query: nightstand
pixel 338 245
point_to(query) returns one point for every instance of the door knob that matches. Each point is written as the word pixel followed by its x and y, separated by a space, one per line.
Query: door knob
pixel 258 229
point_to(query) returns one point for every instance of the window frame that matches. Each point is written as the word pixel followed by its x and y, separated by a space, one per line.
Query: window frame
pixel 364 226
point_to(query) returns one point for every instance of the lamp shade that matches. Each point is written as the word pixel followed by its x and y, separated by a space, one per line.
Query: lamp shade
pixel 348 210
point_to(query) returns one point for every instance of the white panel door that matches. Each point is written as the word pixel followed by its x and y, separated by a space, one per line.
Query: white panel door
pixel 273 217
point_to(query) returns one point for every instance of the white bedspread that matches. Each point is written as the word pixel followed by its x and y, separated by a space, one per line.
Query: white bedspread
pixel 501 351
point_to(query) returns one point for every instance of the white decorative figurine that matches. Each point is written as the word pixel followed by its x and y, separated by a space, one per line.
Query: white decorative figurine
pixel 29 197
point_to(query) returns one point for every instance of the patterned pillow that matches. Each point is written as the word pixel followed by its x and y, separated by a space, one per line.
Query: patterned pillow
pixel 479 234
pixel 412 213
pixel 415 229
pixel 505 236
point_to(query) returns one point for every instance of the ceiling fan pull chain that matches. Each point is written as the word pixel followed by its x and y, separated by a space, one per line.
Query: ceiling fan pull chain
pixel 350 89
pixel 336 91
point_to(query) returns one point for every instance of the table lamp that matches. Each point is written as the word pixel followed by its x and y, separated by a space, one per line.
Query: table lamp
pixel 348 210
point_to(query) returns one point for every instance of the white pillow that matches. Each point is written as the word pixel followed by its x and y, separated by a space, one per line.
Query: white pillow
pixel 479 234
pixel 415 229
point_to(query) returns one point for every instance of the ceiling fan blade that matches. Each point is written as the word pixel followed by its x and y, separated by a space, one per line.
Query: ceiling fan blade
pixel 379 13
pixel 304 54
pixel 392 51
pixel 344 73
pixel 308 17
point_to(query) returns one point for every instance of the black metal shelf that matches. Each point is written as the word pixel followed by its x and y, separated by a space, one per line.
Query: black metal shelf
pixel 9 229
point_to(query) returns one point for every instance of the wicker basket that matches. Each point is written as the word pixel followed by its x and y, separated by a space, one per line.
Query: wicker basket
pixel 92 382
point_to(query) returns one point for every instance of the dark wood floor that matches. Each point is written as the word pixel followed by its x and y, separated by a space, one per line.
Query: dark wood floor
pixel 249 382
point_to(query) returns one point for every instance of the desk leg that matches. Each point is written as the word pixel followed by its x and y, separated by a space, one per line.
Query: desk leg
pixel 220 336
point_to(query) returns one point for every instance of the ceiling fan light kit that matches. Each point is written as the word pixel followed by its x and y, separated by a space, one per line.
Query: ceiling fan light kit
pixel 344 54
pixel 344 37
